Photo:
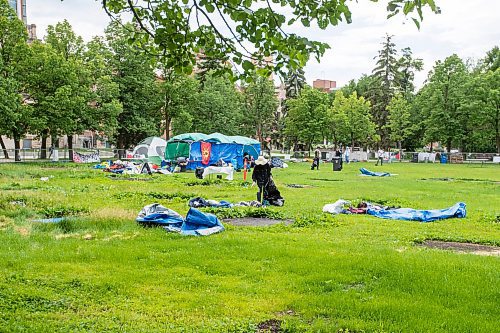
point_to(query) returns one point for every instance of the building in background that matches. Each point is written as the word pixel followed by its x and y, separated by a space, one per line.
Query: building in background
pixel 325 85
pixel 19 7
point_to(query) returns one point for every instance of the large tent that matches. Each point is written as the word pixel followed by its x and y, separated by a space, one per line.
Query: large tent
pixel 151 149
pixel 219 146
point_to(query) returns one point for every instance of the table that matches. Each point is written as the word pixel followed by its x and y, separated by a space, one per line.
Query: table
pixel 473 160
pixel 213 169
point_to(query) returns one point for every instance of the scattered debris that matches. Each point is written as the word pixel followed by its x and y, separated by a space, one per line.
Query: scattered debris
pixel 44 179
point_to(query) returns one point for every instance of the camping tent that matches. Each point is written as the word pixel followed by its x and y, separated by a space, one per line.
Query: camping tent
pixel 228 148
pixel 152 149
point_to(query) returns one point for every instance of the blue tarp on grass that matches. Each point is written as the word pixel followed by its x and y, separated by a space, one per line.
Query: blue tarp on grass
pixel 196 223
pixel 458 210
pixel 366 172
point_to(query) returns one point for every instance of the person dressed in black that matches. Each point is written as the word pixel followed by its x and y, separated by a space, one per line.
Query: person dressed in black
pixel 261 176
pixel 315 163
pixel 268 192
pixel 338 154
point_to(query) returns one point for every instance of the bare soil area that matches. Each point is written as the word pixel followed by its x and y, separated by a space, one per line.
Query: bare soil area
pixel 484 250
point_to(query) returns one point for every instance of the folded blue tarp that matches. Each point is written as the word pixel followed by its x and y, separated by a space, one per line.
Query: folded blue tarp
pixel 196 223
pixel 366 172
pixel 458 210
pixel 156 214
pixel 200 224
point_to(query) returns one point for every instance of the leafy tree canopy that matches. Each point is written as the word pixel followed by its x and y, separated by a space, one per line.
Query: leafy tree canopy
pixel 250 30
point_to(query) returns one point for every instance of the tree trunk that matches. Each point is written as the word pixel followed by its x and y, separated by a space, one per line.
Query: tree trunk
pixel 6 153
pixel 70 147
pixel 400 151
pixel 17 150
pixel 168 121
pixel 43 151
pixel 448 145
pixel 119 145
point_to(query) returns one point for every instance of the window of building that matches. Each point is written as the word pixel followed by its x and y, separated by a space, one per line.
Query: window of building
pixel 27 143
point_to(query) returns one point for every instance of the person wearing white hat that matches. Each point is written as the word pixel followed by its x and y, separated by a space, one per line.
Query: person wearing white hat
pixel 261 176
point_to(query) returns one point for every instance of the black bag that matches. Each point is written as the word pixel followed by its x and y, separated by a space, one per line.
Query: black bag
pixel 199 172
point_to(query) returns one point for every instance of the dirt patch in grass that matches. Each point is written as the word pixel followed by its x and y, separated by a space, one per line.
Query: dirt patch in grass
pixel 299 186
pixel 256 221
pixel 474 180
pixel 484 250
pixel 269 326
pixel 326 179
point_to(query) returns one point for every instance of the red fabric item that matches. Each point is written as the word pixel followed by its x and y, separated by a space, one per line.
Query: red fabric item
pixel 206 149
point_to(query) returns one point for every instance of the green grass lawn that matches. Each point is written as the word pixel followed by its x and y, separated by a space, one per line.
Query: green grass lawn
pixel 101 272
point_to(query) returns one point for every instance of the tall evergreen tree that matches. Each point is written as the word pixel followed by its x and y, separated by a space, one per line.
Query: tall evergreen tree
pixel 295 81
pixel 384 88
pixel 407 66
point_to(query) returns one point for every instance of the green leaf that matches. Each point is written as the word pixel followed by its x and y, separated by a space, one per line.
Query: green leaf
pixel 247 65
pixel 417 23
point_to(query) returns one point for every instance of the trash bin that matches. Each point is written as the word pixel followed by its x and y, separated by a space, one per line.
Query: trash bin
pixel 199 172
pixel 444 158
pixel 337 163
pixel 414 158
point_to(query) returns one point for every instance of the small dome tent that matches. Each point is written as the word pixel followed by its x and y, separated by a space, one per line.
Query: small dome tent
pixel 202 150
pixel 152 149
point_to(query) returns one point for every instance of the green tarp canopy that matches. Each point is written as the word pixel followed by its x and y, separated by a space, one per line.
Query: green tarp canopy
pixel 177 149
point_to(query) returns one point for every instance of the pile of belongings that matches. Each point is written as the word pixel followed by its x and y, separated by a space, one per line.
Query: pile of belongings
pixel 276 162
pixel 131 168
pixel 200 203
pixel 196 223
pixel 103 165
pixel 366 172
pixel 272 195
pixel 395 213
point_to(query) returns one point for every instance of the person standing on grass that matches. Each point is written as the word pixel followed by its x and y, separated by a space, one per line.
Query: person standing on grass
pixel 315 163
pixel 347 153
pixel 261 176
pixel 380 158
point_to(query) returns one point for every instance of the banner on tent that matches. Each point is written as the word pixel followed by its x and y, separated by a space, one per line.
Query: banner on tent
pixel 86 158
pixel 206 149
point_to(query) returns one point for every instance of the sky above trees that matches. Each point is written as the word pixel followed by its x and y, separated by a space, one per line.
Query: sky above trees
pixel 468 28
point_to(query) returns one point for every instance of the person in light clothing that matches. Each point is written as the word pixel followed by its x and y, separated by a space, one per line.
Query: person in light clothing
pixel 347 153
pixel 380 154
